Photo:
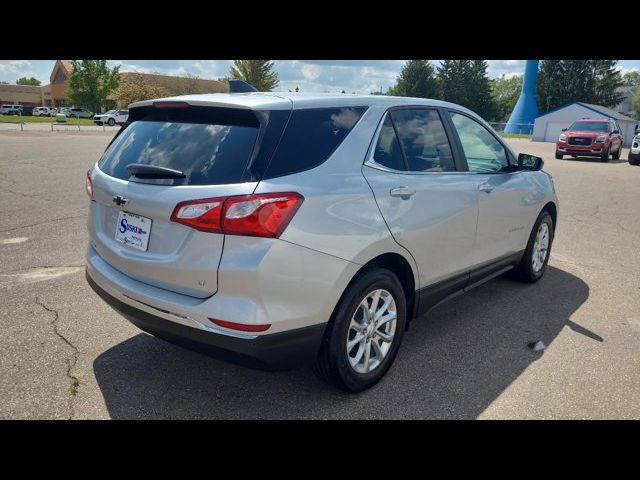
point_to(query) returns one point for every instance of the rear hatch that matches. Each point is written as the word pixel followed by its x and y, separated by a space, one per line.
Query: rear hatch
pixel 213 149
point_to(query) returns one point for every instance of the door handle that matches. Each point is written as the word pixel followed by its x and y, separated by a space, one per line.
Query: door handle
pixel 485 187
pixel 403 192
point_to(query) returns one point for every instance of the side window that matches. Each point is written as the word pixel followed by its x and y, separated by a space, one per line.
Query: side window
pixel 388 152
pixel 310 137
pixel 485 154
pixel 424 140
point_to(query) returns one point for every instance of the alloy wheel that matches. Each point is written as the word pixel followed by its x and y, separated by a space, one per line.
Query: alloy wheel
pixel 371 331
pixel 540 247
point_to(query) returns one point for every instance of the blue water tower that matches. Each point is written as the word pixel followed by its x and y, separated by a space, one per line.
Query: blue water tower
pixel 526 110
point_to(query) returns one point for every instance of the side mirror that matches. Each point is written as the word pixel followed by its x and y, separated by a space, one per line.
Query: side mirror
pixel 529 162
pixel 565 129
pixel 616 131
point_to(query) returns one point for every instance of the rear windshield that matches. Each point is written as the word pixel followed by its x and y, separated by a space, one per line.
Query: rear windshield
pixel 589 127
pixel 209 147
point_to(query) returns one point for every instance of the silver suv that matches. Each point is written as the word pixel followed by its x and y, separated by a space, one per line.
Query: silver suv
pixel 275 228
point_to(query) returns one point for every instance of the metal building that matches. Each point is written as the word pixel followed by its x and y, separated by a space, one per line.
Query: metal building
pixel 548 127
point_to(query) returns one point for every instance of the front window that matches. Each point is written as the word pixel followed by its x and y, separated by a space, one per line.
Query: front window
pixel 589 127
pixel 484 153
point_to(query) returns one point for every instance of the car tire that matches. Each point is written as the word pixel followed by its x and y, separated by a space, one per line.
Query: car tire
pixel 559 156
pixel 634 159
pixel 347 368
pixel 616 156
pixel 111 122
pixel 531 268
pixel 605 156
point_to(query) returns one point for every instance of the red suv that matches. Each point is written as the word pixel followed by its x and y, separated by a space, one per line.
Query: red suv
pixel 590 138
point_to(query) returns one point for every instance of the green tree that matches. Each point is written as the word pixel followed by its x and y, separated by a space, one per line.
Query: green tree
pixel 606 83
pixel 91 82
pixel 505 92
pixel 138 87
pixel 453 79
pixel 258 73
pixel 631 79
pixel 28 81
pixel 551 91
pixel 416 79
pixel 480 98
pixel 636 105
pixel 466 83
pixel 565 81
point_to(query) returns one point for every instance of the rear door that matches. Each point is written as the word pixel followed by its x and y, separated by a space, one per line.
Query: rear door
pixel 130 223
pixel 430 207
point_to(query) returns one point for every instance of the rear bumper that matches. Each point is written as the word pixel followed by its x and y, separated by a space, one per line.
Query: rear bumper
pixel 276 351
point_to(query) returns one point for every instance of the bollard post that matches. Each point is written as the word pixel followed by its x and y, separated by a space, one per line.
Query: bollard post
pixel 51 126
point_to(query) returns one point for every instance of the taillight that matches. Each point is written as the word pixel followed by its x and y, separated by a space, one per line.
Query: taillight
pixel 257 215
pixel 89 184
pixel 202 214
pixel 243 327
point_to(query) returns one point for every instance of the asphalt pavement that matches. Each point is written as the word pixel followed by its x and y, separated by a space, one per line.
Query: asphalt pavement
pixel 66 354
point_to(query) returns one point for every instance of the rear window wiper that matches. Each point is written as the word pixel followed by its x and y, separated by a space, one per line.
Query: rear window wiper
pixel 141 170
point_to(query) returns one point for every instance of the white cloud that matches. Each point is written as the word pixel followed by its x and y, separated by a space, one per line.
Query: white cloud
pixel 16 67
pixel 624 70
pixel 311 72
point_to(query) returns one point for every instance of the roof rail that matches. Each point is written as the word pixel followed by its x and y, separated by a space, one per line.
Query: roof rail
pixel 240 86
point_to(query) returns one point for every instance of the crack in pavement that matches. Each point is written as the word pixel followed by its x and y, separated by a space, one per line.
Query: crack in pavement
pixel 21 194
pixel 71 361
pixel 42 223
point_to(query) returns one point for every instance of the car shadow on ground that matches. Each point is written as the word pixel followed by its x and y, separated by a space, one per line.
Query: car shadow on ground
pixel 453 363
pixel 622 159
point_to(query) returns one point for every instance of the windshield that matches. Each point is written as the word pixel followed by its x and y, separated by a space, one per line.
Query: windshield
pixel 589 127
pixel 110 111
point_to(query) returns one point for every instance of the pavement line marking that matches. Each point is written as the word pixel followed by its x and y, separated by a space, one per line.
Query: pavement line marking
pixel 39 274
pixel 9 241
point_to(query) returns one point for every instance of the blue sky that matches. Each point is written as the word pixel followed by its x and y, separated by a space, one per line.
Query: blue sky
pixel 360 76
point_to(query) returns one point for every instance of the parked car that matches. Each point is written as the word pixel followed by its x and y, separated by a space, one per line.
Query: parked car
pixel 278 229
pixel 65 111
pixel 634 152
pixel 590 138
pixel 79 113
pixel 27 110
pixel 111 117
pixel 10 110
pixel 44 111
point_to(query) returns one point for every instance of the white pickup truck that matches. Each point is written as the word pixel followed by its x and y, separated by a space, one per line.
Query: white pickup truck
pixel 111 117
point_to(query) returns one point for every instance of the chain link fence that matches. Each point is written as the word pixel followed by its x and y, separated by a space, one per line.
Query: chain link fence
pixel 55 126
pixel 521 128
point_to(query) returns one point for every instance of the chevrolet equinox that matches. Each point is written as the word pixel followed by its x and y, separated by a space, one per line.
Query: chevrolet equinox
pixel 273 229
